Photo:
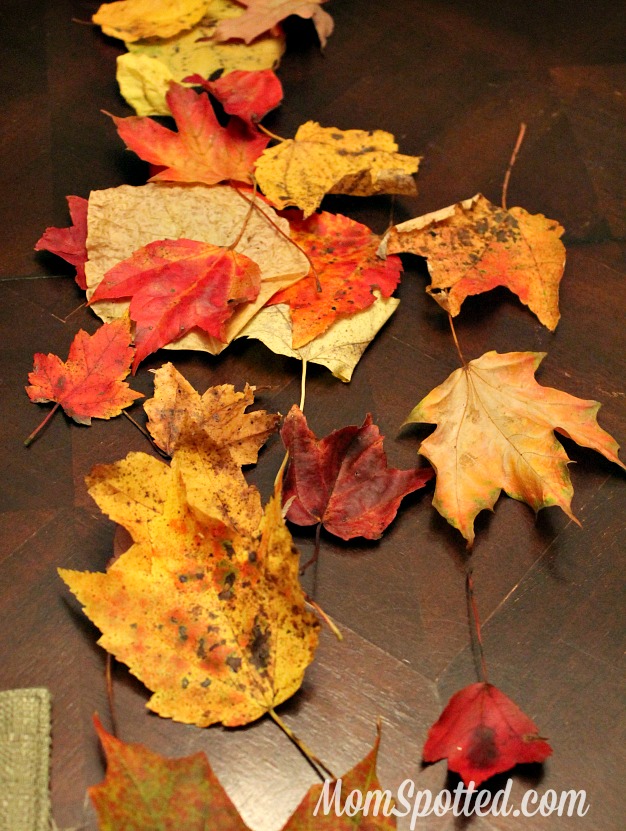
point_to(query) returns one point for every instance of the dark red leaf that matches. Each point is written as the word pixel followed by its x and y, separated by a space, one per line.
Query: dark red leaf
pixel 248 95
pixel 70 243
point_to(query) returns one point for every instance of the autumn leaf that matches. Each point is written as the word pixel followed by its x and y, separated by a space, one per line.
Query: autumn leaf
pixel 495 431
pixel 322 160
pixel 248 95
pixel 262 15
pixel 90 384
pixel 70 243
pixel 474 246
pixel 348 798
pixel 124 219
pixel 143 791
pixel 342 481
pixel 345 272
pixel 339 348
pixel 205 607
pixel 202 150
pixel 131 20
pixel 482 732
pixel 146 70
pixel 176 285
pixel 220 412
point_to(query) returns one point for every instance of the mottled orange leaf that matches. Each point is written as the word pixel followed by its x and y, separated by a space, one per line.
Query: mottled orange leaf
pixel 220 413
pixel 482 732
pixel 205 607
pixel 176 285
pixel 346 270
pixel 262 15
pixel 474 246
pixel 90 384
pixel 495 432
pixel 143 791
pixel 202 150
pixel 70 243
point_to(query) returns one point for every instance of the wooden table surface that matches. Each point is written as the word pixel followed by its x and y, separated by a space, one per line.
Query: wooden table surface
pixel 452 80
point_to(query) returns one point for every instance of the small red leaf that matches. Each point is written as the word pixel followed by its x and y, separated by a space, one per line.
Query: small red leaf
pixel 248 95
pixel 482 732
pixel 343 480
pixel 70 243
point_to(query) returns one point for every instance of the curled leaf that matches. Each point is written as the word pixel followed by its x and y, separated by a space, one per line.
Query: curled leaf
pixel 70 243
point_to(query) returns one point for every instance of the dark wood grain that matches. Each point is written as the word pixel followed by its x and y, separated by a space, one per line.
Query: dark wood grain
pixel 453 80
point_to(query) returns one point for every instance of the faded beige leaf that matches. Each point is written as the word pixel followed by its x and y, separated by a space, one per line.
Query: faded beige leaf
pixel 121 220
pixel 339 348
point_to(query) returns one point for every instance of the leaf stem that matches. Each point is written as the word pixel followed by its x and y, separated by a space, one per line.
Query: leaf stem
pixel 269 133
pixel 303 385
pixel 147 435
pixel 507 175
pixel 73 312
pixel 36 431
pixel 456 340
pixel 251 206
pixel 474 622
pixel 327 620
pixel 318 766
pixel 110 693
pixel 316 550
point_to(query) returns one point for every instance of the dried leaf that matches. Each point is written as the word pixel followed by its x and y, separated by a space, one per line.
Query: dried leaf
pixel 178 285
pixel 342 481
pixel 205 607
pixel 262 15
pixel 495 431
pixel 322 160
pixel 132 20
pixel 70 243
pixel 346 271
pixel 122 220
pixel 144 791
pixel 248 95
pixel 340 347
pixel 202 150
pixel 474 246
pixel 482 732
pixel 90 384
pixel 177 408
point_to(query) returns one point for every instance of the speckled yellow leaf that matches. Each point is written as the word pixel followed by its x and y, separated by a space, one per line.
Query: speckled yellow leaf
pixel 339 348
pixel 322 160
pixel 121 220
pixel 132 20
pixel 207 611
pixel 474 246
pixel 220 412
pixel 144 73
pixel 495 432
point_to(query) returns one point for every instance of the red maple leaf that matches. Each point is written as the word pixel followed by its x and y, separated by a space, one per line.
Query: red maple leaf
pixel 176 285
pixel 342 481
pixel 482 732
pixel 90 384
pixel 346 272
pixel 202 150
pixel 70 243
pixel 250 95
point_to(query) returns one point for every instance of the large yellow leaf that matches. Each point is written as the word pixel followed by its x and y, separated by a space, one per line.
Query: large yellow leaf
pixel 474 246
pixel 177 409
pixel 495 432
pixel 339 348
pixel 205 607
pixel 122 220
pixel 322 160
pixel 145 71
pixel 132 20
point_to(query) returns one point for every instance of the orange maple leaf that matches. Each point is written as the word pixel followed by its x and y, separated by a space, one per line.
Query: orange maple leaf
pixel 201 150
pixel 346 272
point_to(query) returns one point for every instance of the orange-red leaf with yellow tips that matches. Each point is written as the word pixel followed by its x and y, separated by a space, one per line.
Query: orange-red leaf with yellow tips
pixel 346 270
pixel 482 732
pixel 176 285
pixel 202 150
pixel 495 432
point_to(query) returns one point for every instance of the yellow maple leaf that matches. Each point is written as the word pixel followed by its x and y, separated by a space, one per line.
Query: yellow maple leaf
pixel 220 413
pixel 474 246
pixel 122 220
pixel 132 20
pixel 320 160
pixel 205 607
pixel 495 432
